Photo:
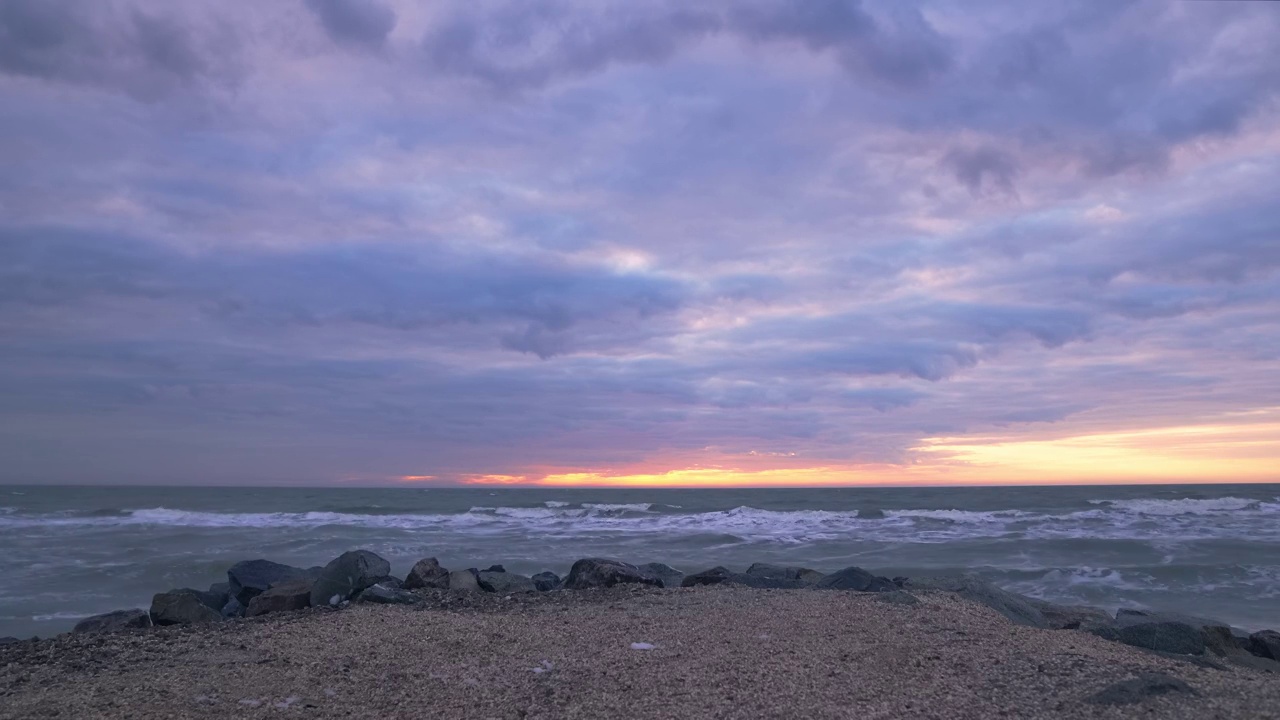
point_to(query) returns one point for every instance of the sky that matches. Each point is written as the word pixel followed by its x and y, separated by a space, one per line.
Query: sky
pixel 572 242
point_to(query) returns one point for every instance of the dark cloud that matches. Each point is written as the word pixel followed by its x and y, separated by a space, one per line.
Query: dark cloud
pixel 362 23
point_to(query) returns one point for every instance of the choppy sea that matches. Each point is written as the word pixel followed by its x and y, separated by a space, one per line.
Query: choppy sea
pixel 70 552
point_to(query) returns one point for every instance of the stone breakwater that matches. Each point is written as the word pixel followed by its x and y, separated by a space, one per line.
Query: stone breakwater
pixel 261 587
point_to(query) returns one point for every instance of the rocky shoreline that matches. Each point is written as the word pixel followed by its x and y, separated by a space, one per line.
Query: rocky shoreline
pixel 262 587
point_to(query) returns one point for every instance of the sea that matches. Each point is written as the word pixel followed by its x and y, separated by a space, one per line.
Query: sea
pixel 70 552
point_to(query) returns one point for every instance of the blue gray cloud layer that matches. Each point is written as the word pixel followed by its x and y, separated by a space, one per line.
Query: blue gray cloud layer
pixel 325 239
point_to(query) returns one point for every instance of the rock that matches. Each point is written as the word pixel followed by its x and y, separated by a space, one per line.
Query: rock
pixel 1129 616
pixel 9 640
pixel 390 581
pixel 286 596
pixel 501 581
pixel 804 576
pixel 1128 692
pixel 465 580
pixel 1265 644
pixel 218 594
pixel 181 607
pixel 252 577
pixel 1220 641
pixel 1014 607
pixel 1170 637
pixel 233 608
pixel 387 595
pixel 714 576
pixel 764 582
pixel 855 578
pixel 897 597
pixel 427 573
pixel 115 620
pixel 871 514
pixel 601 572
pixel 494 568
pixel 346 575
pixel 669 576
pixel 546 581
pixel 1071 617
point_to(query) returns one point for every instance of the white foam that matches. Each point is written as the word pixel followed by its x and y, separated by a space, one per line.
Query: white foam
pixel 555 504
pixel 1184 506
pixel 622 507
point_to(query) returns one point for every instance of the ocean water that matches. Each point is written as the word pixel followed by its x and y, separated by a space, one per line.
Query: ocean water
pixel 70 552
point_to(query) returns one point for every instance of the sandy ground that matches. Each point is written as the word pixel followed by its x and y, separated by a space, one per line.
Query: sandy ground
pixel 717 653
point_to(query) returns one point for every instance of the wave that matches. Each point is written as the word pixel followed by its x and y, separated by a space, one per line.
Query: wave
pixel 556 503
pixel 1188 506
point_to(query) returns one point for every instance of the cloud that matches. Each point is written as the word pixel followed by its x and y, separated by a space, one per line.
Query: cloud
pixel 359 23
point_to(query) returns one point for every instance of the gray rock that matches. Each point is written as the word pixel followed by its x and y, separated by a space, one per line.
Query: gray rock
pixel 855 578
pixel 897 597
pixel 494 568
pixel 1170 637
pixel 115 620
pixel 289 595
pixel 1129 616
pixel 427 573
pixel 1013 606
pixel 465 580
pixel 804 576
pixel 387 595
pixel 713 576
pixel 1265 644
pixel 233 609
pixel 390 581
pixel 218 594
pixel 871 514
pixel 9 640
pixel 252 577
pixel 601 572
pixel 546 581
pixel 1147 685
pixel 669 576
pixel 504 582
pixel 1071 617
pixel 346 575
pixel 181 607
pixel 1219 640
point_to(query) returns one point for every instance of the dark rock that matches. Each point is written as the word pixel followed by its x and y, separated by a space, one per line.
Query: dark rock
pixel 9 640
pixel 218 595
pixel 494 568
pixel 1265 644
pixel 546 581
pixel 252 577
pixel 465 580
pixel 116 620
pixel 669 576
pixel 1255 662
pixel 897 597
pixel 901 580
pixel 390 581
pixel 1015 607
pixel 387 595
pixel 714 576
pixel 1170 637
pixel 1129 616
pixel 346 575
pixel 427 573
pixel 1071 617
pixel 181 607
pixel 1147 685
pixel 233 609
pixel 1220 641
pixel 804 576
pixel 855 578
pixel 871 514
pixel 601 572
pixel 289 595
pixel 500 581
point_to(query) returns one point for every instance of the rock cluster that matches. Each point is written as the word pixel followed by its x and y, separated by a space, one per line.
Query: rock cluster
pixel 260 587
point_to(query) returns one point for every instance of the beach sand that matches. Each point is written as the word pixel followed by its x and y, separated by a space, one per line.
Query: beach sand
pixel 717 652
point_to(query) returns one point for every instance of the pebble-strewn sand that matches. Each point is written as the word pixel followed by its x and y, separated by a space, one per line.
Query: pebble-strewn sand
pixel 718 653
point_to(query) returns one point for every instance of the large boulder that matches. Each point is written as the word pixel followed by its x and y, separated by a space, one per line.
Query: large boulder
pixel 427 573
pixel 465 580
pixel 182 607
pixel 1015 607
pixel 346 575
pixel 669 576
pixel 289 595
pixel 233 609
pixel 249 578
pixel 1170 637
pixel 386 594
pixel 855 578
pixel 115 620
pixel 803 576
pixel 504 582
pixel 1071 617
pixel 546 581
pixel 601 572
pixel 1265 644
pixel 712 576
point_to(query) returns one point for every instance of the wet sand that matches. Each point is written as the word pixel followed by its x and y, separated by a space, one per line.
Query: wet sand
pixel 717 652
